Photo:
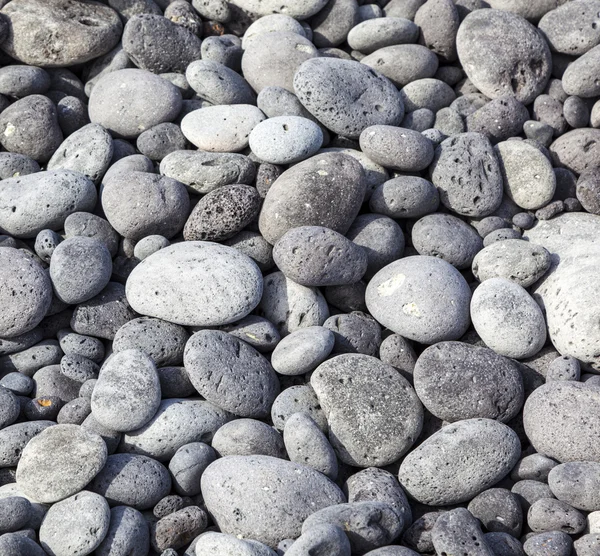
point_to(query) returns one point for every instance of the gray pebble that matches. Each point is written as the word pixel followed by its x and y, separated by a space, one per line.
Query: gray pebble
pixel 372 438
pixel 218 544
pixel 331 25
pixel 448 238
pixel 43 201
pixel 564 368
pixel 187 466
pixel 104 314
pixel 127 394
pixel 508 319
pixel 577 150
pixel 373 34
pixel 176 423
pixel 501 235
pixel 161 140
pixel 579 77
pixel 13 165
pixel 84 346
pixel 302 351
pixel 529 491
pixel 587 545
pixel 397 351
pixel 510 56
pixel 174 382
pixel 238 492
pixel 248 437
pixel 127 534
pixel 34 359
pixel 533 467
pixel 347 298
pixel 274 23
pixel 78 455
pixel 407 297
pixel 328 87
pixel 449 121
pixel 72 115
pixel 111 438
pixel 224 49
pixel 75 412
pixel 429 93
pixel 258 332
pixel 45 244
pixel 15 512
pixel 15 437
pixel 306 444
pixel 499 120
pixel 176 530
pixel 574 483
pixel 17 383
pixel 439 22
pixel 21 81
pixel 242 381
pixel 86 389
pixel 402 64
pixel 25 293
pixel 405 197
pixel 498 510
pixel 89 225
pixel 397 148
pixel 80 521
pixel 334 179
pixel 41 409
pixel 549 111
pixel 134 480
pixel 538 131
pixel 355 332
pixel 503 544
pixel 321 537
pixel 418 120
pixel 224 128
pixel 549 514
pixel 457 381
pixel 576 112
pixel 553 543
pixel 449 469
pixel 129 101
pixel 295 399
pixel 458 531
pixel 222 213
pixel 149 245
pixel 218 84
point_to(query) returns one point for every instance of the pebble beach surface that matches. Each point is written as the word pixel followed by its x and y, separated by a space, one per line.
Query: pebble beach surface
pixel 301 277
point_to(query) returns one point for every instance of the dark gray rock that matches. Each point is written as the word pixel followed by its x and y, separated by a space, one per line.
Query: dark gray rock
pixel 161 140
pixel 439 22
pixel 405 197
pixel 295 399
pixel 549 514
pixel 248 437
pixel 187 466
pixel 178 529
pixel 499 120
pixel 499 511
pixel 575 484
pixel 127 533
pixel 555 542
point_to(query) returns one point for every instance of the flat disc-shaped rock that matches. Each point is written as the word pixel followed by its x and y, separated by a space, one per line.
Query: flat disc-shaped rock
pixel 195 284
pixel 231 374
pixel 373 414
pixel 59 462
pixel 59 33
pixel 557 413
pixel 457 381
pixel 502 53
pixel 421 298
pixel 317 256
pixel 346 96
pixel 460 461
pixel 25 293
pixel 325 190
pixel 265 498
pixel 127 393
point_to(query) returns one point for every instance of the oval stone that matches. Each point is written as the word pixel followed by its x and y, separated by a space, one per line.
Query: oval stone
pixel 195 283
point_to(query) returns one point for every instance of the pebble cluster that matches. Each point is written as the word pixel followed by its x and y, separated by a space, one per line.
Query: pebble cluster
pixel 301 277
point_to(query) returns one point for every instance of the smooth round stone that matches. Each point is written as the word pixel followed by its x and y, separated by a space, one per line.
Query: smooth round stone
pixel 15 512
pixel 13 165
pixel 149 245
pixel 129 101
pixel 258 332
pixel 35 202
pixel 89 225
pixel 580 79
pixel 577 150
pixel 447 237
pixel 162 341
pixel 195 284
pixel 558 542
pixel 285 139
pixel 533 467
pixel 297 10
pixel 76 457
pixel 222 213
pixel 202 172
pixel 242 381
pixel 17 383
pixel 15 437
pixel 355 332
pixel 79 345
pixel 439 21
pixel 218 84
pixel 274 59
pixel 346 96
pixel 397 148
pixel 467 173
pixel 458 531
pixel 88 151
pixel 460 461
pixel 274 23
pixel 405 197
pixel 174 382
pixel 248 437
pixel 368 525
pixel 295 399
pixel 28 361
pixel 127 534
pixel 157 44
pixel 25 292
pixel 330 27
pixel 419 120
pixel 528 177
pixel 430 94
pixel 320 536
pixel 80 268
pixel 161 140
pixel 457 381
pixel 587 545
pixel 302 351
pixel 187 466
pixel 265 514
pixel 59 34
pixel 549 514
pixel 326 190
pixel 520 261
pixel 21 81
pixel 133 480
pixel 498 510
pixel 76 525
pixel 74 413
pixel 16 544
pixel 504 544
pixel 373 34
pixel 78 368
pixel 177 529
pixel 176 423
pixel 572 28
pixel 374 415
pixel 318 256
pixel 508 319
pixel 45 244
pixel 421 298
pixel 139 204
pixel 559 411
pixel 576 483
pixel 501 54
pixel 402 64
pixel 290 306
pixel 219 544
pixel 499 120
pixel 50 382
pixel 127 393
pixel 221 128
